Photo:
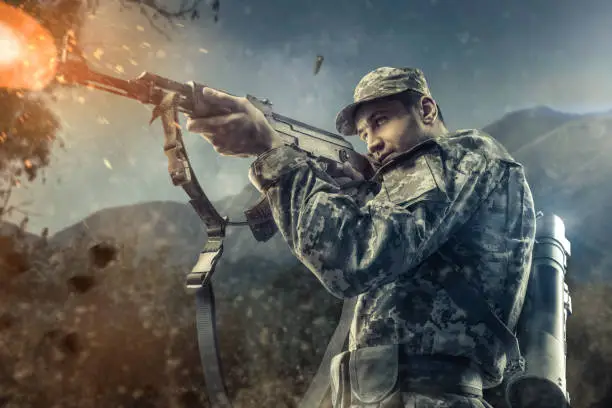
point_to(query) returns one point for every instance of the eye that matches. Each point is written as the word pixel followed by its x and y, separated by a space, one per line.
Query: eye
pixel 380 120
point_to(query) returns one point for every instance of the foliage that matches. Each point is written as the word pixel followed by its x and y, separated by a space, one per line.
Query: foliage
pixel 81 332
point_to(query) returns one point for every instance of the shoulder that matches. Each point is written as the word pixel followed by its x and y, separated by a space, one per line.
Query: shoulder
pixel 472 160
pixel 474 142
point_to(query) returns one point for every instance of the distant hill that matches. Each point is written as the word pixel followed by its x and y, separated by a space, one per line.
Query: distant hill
pixel 154 226
pixel 519 128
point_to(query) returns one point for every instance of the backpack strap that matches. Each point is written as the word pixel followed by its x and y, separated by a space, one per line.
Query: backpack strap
pixel 467 297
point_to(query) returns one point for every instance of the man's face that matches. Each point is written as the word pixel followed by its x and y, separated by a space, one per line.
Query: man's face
pixel 388 127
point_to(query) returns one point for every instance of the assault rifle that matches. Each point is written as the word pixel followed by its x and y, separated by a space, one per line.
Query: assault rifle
pixel 169 98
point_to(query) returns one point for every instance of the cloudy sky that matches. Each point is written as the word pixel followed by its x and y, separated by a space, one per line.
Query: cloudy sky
pixel 482 58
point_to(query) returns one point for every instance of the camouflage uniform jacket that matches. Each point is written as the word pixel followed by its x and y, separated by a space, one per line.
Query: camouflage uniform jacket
pixel 460 200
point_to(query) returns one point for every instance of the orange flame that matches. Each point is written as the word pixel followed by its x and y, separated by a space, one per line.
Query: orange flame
pixel 28 55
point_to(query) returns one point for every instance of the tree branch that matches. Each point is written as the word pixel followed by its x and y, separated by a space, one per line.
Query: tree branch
pixel 151 9
pixel 186 9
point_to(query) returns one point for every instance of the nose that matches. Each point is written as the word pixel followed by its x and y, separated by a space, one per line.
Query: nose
pixel 375 144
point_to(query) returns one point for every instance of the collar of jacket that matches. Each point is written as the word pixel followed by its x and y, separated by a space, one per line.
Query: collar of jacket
pixel 398 157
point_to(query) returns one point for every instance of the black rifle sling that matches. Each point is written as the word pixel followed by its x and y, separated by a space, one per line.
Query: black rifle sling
pixel 199 281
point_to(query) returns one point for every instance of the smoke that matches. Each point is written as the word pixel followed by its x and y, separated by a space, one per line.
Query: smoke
pixel 111 156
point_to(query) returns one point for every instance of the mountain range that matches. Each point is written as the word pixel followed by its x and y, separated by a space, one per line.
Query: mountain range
pixel 566 160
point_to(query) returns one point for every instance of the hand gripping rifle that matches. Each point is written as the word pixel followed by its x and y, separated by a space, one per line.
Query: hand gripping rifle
pixel 168 98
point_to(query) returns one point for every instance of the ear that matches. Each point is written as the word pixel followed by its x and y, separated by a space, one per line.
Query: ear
pixel 428 110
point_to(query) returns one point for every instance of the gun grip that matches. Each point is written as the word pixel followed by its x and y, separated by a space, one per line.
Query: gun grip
pixel 260 220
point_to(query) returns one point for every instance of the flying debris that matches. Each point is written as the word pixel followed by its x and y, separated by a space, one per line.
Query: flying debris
pixel 215 8
pixel 318 63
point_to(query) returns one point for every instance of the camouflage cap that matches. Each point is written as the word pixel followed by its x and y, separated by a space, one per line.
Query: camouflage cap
pixel 381 82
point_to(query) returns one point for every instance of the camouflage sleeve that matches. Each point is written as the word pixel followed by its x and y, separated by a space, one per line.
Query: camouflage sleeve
pixel 353 248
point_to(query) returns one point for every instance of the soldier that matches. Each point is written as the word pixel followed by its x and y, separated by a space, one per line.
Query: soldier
pixel 447 203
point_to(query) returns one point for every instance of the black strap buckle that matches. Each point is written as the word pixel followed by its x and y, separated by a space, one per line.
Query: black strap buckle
pixel 202 271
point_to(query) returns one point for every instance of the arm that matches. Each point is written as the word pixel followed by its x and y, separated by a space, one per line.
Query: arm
pixel 353 249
